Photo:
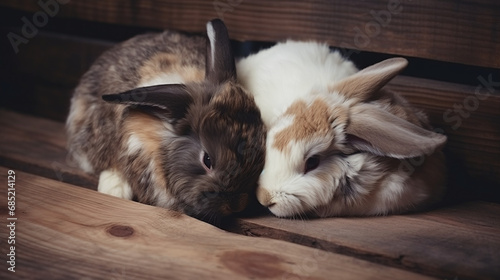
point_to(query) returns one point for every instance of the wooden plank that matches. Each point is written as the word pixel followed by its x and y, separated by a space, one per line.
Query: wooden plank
pixel 471 121
pixel 38 146
pixel 65 58
pixel 66 232
pixel 42 84
pixel 459 242
pixel 443 30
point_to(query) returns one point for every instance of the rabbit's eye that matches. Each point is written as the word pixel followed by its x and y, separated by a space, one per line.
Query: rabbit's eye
pixel 207 161
pixel 312 163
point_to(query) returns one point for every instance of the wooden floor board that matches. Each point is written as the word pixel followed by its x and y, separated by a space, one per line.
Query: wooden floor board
pixel 64 232
pixel 38 146
pixel 462 240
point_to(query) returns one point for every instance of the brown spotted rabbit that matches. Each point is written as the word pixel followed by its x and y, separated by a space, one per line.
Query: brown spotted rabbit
pixel 181 133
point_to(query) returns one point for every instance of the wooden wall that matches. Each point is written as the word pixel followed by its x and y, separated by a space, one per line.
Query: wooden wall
pixel 454 31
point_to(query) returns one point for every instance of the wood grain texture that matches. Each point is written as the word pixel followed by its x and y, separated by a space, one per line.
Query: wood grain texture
pixel 460 242
pixel 40 79
pixel 66 232
pixel 38 146
pixel 462 32
pixel 55 59
pixel 471 121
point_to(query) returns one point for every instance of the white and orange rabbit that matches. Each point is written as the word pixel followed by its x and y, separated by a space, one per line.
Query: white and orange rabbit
pixel 337 141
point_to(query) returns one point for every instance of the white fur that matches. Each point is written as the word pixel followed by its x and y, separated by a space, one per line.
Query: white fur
pixel 211 39
pixel 83 162
pixel 163 78
pixel 292 191
pixel 288 71
pixel 277 77
pixel 162 197
pixel 111 182
pixel 134 144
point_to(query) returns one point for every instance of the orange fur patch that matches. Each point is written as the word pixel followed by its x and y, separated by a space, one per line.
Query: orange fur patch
pixel 309 121
pixel 147 129
pixel 169 64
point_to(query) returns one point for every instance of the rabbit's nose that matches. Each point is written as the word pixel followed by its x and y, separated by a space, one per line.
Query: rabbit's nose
pixel 225 209
pixel 264 197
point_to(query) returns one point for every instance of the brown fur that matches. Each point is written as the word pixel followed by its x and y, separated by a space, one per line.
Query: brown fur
pixel 366 83
pixel 146 128
pixel 309 121
pixel 170 126
pixel 169 63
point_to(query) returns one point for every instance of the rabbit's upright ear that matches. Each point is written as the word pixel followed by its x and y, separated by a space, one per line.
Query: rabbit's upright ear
pixel 220 65
pixel 169 100
pixel 374 130
pixel 367 82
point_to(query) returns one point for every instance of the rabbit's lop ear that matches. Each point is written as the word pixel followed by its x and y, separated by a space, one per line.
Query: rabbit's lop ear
pixel 367 82
pixel 170 100
pixel 374 130
pixel 220 65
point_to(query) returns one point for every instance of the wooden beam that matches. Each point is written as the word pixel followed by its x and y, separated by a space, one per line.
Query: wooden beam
pixel 456 242
pixel 462 32
pixel 38 146
pixel 66 232
pixel 468 115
